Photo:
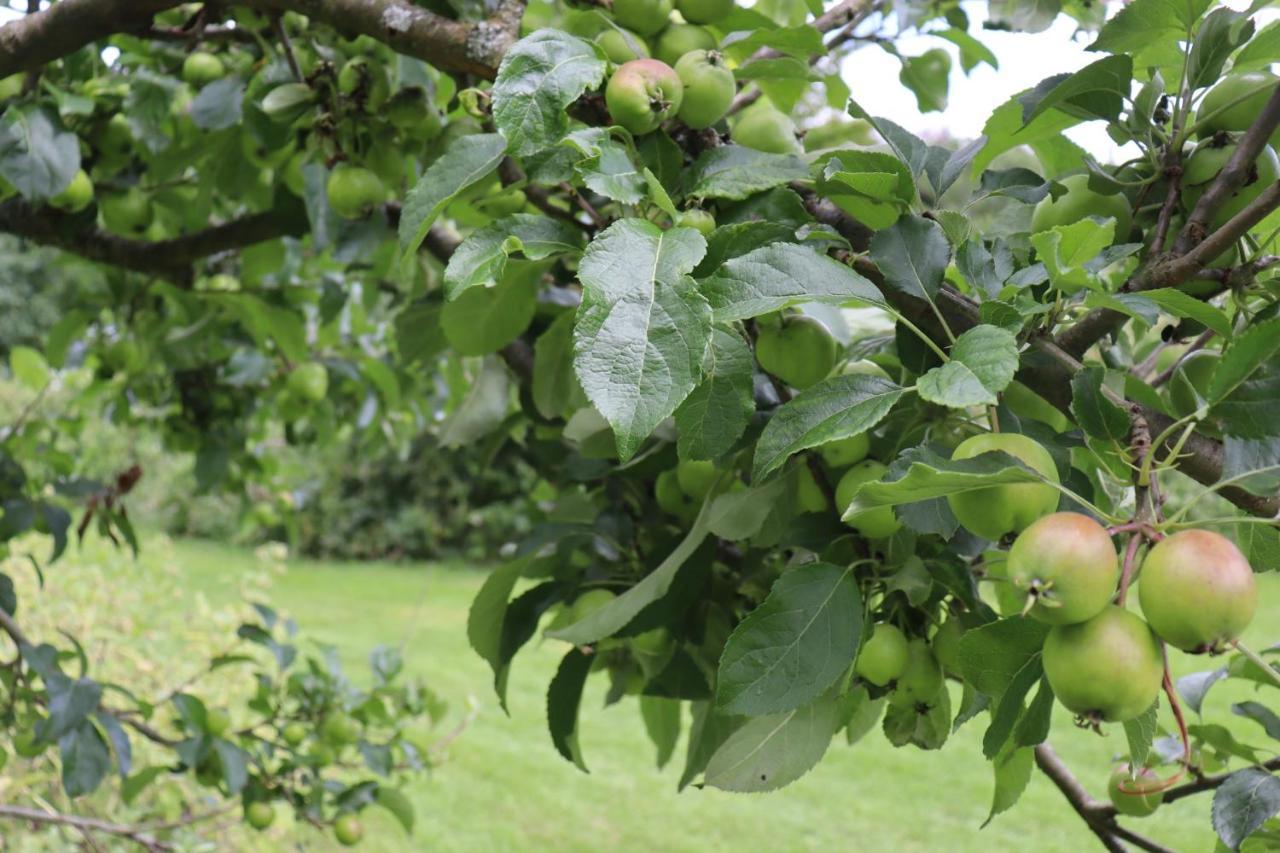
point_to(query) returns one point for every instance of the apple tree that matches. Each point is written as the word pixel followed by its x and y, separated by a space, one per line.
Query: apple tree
pixel 622 237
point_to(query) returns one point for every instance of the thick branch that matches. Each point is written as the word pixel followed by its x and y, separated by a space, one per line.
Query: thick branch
pixel 1090 810
pixel 168 259
pixel 453 46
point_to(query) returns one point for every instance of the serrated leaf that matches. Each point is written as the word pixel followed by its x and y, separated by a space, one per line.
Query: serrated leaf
pixel 481 259
pixel 1004 130
pixel 912 255
pixel 735 172
pixel 992 655
pixel 1249 351
pixel 1066 249
pixel 218 105
pixel 615 615
pixel 554 386
pixel 773 751
pixel 1247 800
pixel 1008 705
pixel 1012 775
pixel 983 361
pixel 485 620
pixel 1217 37
pixel 643 329
pixel 794 646
pixel 835 408
pixel 1142 23
pixel 540 76
pixel 607 167
pixel 38 157
pixel 906 146
pixel 1248 418
pixel 1141 733
pixel 467 160
pixel 778 275
pixel 662 723
pixel 564 696
pixel 926 725
pixel 1096 414
pixel 716 413
pixel 1098 90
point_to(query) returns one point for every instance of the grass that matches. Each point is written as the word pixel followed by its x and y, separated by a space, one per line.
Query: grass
pixel 505 788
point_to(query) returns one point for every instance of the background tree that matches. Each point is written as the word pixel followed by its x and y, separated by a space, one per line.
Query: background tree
pixel 618 241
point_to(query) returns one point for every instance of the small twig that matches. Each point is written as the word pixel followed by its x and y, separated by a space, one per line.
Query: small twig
pixel 1166 374
pixel 1126 571
pixel 1095 815
pixel 586 206
pixel 1209 783
pixel 277 24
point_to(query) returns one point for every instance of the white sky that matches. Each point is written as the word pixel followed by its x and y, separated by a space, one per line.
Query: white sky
pixel 1025 59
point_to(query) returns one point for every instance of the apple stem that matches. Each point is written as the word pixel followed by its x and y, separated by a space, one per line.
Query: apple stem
pixel 1126 571
pixel 1176 705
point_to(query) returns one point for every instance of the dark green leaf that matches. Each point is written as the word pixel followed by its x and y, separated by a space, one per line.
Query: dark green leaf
pixel 1096 414
pixel 992 655
pixel 773 751
pixel 983 361
pixel 564 695
pixel 37 156
pixel 662 722
pixel 716 413
pixel 1247 800
pixel 540 76
pixel 481 259
pixel 468 159
pixel 782 274
pixel 85 759
pixel 735 172
pixel 1096 91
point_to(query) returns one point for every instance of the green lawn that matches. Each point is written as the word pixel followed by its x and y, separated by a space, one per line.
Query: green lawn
pixel 505 788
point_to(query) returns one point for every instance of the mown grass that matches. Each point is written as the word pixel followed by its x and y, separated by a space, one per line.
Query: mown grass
pixel 505 788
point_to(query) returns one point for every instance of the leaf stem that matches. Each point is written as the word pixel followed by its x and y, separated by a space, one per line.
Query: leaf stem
pixel 1259 660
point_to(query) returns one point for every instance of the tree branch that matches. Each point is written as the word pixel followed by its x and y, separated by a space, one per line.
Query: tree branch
pixel 1232 176
pixel 1209 783
pixel 470 47
pixel 142 834
pixel 1094 813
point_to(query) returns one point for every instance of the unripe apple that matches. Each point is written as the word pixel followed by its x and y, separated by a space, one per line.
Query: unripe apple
pixel 127 213
pixel 921 679
pixel 1234 102
pixel 645 17
pixel 883 657
pixel 642 94
pixel 294 733
pixel 348 830
pixel 809 495
pixel 708 88
pixel 216 722
pixel 1067 562
pixel 946 644
pixel 1208 159
pixel 672 499
pixel 877 522
pixel 765 128
pixel 1078 202
pixel 621 45
pixel 200 68
pixel 354 191
pixel 340 729
pixel 1197 590
pixel 1108 669
pixel 844 452
pixel 799 351
pixel 1135 795
pixel 704 11
pixel 77 196
pixel 996 510
pixel 679 39
pixel 699 220
pixel 309 381
pixel 411 111
pixel 260 815
pixel 697 477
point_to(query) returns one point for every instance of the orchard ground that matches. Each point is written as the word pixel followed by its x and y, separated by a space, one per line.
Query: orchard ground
pixel 503 786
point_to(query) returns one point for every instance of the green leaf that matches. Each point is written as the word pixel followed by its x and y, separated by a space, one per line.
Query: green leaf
pixel 1008 706
pixel 1034 726
pixel 794 646
pixel 1026 16
pixel 266 321
pixel 564 696
pixel 708 731
pixel 716 413
pixel 1004 130
pixel 662 723
pixel 485 619
pixel 735 172
pixel 1096 414
pixel 1096 91
pixel 739 515
pixel 800 41
pixel 836 408
pixel 1249 351
pixel 607 167
pixel 133 786
pixel 906 146
pixel 235 764
pixel 1012 768
pixel 483 408
pixel 29 367
pixel 1142 23
pixel 912 255
pixel 643 328
pixel 398 803
pixel 992 655
pixel 926 725
pixel 1218 36
pixel 1247 800
pixel 219 105
pixel 983 361
pixel 481 259
pixel 86 760
pixel 771 752
pixel 540 76
pixel 1066 249
pixel 1248 418
pixel 779 275
pixel 467 160
pixel 1260 714
pixel 1141 733
pixel 615 615
pixel 1173 302
pixel 931 476
pixel 485 319
pixel 954 166
pixel 37 156
pixel 1260 52
pixel 555 387
pixel 1022 184
pixel 927 76
pixel 972 51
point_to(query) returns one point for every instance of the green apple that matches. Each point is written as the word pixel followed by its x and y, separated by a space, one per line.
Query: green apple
pixel 993 511
pixel 679 39
pixel 1208 159
pixel 622 45
pixel 1235 101
pixel 354 191
pixel 309 381
pixel 699 220
pixel 642 94
pixel 844 452
pixel 877 522
pixel 201 68
pixel 765 128
pixel 127 213
pixel 708 88
pixel 645 17
pixel 799 351
pixel 1078 202
pixel 77 196
pixel 704 11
